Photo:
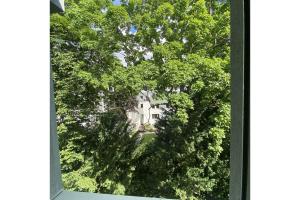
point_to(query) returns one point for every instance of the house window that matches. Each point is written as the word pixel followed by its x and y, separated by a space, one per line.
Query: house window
pixel 155 116
pixel 111 89
pixel 142 105
pixel 157 106
pixel 142 97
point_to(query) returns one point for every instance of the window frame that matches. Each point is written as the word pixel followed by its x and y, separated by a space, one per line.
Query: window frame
pixel 240 116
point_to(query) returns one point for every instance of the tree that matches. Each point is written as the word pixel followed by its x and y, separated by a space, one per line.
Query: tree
pixel 82 45
pixel 190 45
pixel 178 49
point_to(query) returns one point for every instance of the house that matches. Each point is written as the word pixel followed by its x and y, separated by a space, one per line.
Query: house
pixel 147 110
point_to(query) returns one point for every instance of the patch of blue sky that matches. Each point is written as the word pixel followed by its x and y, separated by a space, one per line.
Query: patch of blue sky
pixel 117 2
pixel 132 30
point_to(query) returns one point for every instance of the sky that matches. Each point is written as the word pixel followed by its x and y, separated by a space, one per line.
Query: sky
pixel 117 2
pixel 132 30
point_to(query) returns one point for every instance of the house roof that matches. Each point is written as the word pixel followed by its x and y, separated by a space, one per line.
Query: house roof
pixel 158 102
pixel 149 95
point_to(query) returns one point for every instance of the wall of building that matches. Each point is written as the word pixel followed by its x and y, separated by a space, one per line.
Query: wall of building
pixel 143 113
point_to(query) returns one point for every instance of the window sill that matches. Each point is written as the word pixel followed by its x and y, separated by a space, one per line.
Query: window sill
pixel 69 195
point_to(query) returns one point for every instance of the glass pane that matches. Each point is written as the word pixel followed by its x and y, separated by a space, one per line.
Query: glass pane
pixel 142 94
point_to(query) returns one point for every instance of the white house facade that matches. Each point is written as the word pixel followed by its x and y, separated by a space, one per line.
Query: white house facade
pixel 147 110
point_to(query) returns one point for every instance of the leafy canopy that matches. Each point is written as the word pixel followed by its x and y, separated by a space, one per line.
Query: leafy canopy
pixel 107 53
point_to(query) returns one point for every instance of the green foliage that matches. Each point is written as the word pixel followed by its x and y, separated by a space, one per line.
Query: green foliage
pixel 149 128
pixel 189 41
pixel 148 137
pixel 76 181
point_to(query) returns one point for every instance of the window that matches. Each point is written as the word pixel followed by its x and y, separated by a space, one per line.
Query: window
pixel 111 89
pixel 239 126
pixel 142 105
pixel 155 116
